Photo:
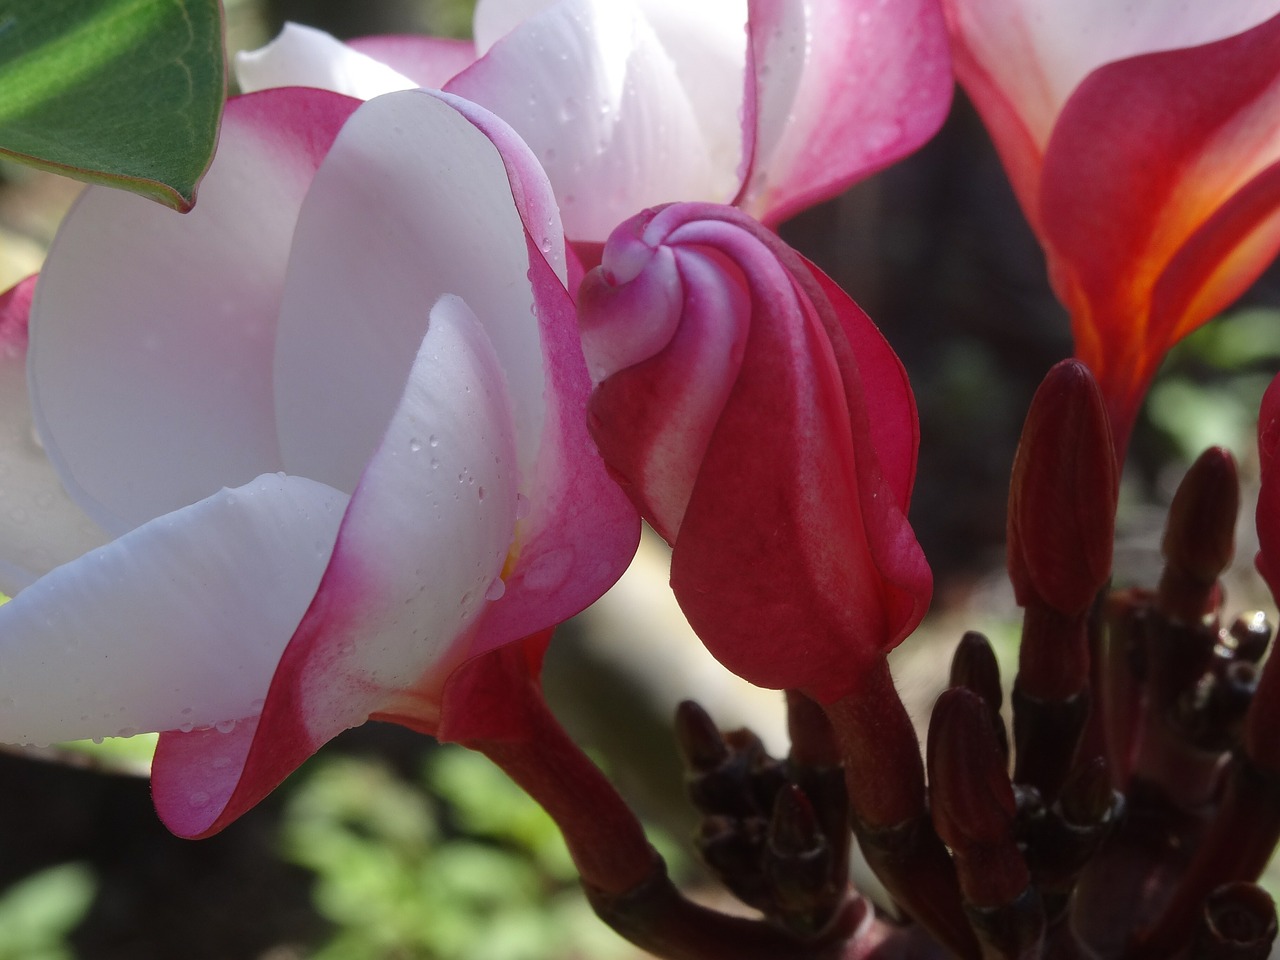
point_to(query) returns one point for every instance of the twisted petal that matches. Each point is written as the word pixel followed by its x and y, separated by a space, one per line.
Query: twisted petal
pixel 792 556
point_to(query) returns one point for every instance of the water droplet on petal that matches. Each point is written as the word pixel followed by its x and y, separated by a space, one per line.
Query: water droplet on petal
pixel 225 726
pixel 415 445
pixel 433 440
pixel 186 727
pixel 496 589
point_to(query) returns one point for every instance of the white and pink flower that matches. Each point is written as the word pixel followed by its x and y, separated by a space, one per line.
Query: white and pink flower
pixel 328 429
pixel 772 105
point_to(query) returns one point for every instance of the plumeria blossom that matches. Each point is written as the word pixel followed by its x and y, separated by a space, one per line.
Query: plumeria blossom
pixel 770 104
pixel 1142 142
pixel 765 428
pixel 331 429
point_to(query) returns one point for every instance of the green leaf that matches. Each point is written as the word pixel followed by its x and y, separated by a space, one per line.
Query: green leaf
pixel 128 93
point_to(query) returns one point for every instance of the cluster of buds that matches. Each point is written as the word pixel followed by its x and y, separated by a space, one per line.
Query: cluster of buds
pixel 1139 798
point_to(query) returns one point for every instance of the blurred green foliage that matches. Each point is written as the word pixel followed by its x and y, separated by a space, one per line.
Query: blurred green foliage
pixel 460 864
pixel 37 914
pixel 1208 390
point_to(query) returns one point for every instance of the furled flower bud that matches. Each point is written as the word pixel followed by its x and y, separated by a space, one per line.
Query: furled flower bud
pixel 763 426
pixel 1062 497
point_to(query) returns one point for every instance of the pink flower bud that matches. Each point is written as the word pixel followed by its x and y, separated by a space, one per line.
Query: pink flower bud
pixel 763 426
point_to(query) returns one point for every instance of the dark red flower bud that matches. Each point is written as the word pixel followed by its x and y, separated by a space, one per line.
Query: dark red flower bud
pixel 1062 496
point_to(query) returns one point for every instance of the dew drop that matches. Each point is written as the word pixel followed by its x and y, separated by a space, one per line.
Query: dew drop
pixel 415 445
pixel 433 440
pixel 225 726
pixel 127 732
pixel 186 727
pixel 480 492
pixel 496 589
pixel 435 463
pixel 98 739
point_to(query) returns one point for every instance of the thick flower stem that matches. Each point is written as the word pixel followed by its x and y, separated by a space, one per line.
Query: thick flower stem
pixel 604 836
pixel 624 878
pixel 885 777
pixel 655 916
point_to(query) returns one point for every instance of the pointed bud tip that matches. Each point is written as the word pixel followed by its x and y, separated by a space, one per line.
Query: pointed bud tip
pixel 700 741
pixel 1199 539
pixel 1062 494
pixel 974 667
pixel 970 795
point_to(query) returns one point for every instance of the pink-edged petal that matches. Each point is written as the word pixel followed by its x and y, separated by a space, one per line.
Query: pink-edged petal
pixel 306 57
pixel 609 119
pixel 152 333
pixel 178 623
pixel 844 87
pixel 372 250
pixel 412 203
pixel 1020 60
pixel 427 61
pixel 40 526
pixel 1187 131
pixel 418 557
pixel 576 530
pixel 892 421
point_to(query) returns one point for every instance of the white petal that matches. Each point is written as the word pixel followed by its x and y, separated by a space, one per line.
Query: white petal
pixel 152 332
pixel 412 203
pixel 40 526
pixel 306 57
pixel 494 19
pixel 591 89
pixel 179 623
